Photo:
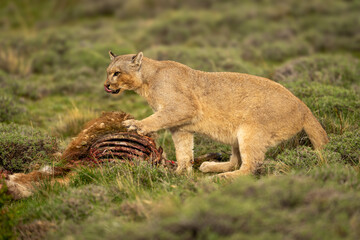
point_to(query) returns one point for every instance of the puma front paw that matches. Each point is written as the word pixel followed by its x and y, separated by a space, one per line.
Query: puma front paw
pixel 135 125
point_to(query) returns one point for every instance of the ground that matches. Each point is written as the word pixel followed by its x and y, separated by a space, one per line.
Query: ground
pixel 53 59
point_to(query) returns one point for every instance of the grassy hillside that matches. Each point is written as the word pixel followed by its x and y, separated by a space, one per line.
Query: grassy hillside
pixel 53 56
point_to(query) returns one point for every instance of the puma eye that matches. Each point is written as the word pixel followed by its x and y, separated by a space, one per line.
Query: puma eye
pixel 116 74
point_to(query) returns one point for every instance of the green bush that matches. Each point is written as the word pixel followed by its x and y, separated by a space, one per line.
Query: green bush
pixel 45 61
pixel 75 204
pixel 347 145
pixel 340 70
pixel 277 51
pixel 9 109
pixel 329 33
pixel 33 88
pixel 344 175
pixel 178 28
pixel 86 57
pixel 22 146
pixel 205 59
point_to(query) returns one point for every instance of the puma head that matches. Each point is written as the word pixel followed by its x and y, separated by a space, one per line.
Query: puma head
pixel 123 73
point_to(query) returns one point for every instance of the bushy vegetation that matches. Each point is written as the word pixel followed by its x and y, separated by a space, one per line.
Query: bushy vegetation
pixel 340 70
pixel 53 56
pixel 245 209
pixel 9 109
pixel 22 146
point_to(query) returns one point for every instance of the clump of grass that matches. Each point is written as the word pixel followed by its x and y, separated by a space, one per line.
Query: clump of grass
pixel 71 123
pixel 23 147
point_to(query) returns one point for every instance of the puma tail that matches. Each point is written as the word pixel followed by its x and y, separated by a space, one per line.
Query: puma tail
pixel 315 131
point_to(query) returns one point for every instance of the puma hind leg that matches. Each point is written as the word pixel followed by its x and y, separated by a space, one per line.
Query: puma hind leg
pixel 219 167
pixel 253 145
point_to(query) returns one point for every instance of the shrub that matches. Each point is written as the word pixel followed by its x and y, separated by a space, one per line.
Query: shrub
pixel 178 28
pixel 344 175
pixel 45 61
pixel 277 51
pixel 33 88
pixel 9 109
pixel 328 33
pixel 21 147
pixel 347 145
pixel 78 203
pixel 340 70
pixel 76 81
pixel 86 57
pixel 205 59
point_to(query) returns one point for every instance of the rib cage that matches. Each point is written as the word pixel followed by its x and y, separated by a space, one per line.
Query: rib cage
pixel 125 146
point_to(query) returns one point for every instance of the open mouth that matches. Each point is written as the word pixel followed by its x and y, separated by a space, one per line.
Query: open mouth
pixel 111 91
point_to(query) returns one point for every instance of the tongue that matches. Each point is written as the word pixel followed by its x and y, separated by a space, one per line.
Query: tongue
pixel 106 89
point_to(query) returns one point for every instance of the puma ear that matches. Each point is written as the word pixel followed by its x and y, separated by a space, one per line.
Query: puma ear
pixel 112 55
pixel 136 60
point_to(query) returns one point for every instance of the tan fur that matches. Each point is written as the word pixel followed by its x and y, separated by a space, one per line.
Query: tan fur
pixel 248 112
pixel 21 185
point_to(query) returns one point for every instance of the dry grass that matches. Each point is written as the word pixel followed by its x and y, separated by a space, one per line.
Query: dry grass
pixel 14 63
pixel 71 123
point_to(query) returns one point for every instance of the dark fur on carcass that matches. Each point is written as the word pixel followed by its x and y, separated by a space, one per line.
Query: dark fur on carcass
pixel 108 122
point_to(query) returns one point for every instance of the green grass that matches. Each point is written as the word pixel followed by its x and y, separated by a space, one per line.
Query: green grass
pixel 53 59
